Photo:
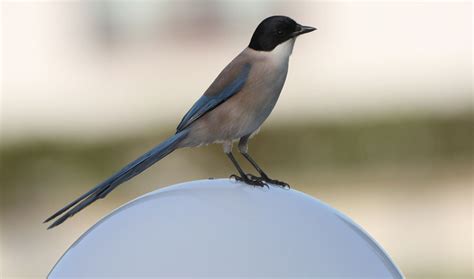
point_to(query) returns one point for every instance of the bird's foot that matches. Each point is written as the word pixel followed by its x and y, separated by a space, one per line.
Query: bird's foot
pixel 267 179
pixel 249 179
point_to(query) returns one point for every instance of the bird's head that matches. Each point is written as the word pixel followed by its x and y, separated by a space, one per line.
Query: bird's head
pixel 275 30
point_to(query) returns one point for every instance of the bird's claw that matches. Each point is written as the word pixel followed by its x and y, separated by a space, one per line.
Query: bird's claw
pixel 250 180
pixel 278 183
pixel 267 180
pixel 253 177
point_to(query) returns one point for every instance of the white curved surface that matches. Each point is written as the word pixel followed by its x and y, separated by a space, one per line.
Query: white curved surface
pixel 226 229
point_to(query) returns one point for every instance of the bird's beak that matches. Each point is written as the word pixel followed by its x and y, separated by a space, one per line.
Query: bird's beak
pixel 300 29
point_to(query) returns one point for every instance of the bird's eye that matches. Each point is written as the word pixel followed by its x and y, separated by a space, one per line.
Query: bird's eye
pixel 279 32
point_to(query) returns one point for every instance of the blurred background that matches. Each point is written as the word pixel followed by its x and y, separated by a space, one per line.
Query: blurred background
pixel 375 118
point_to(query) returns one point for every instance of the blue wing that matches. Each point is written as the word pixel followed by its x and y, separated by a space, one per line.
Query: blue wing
pixel 210 101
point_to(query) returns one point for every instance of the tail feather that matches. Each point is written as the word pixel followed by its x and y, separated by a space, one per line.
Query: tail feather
pixel 128 172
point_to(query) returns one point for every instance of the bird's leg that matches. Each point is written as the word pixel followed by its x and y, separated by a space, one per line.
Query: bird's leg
pixel 246 178
pixel 243 148
pixel 243 176
pixel 263 175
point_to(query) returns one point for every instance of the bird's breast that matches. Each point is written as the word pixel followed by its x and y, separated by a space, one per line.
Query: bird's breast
pixel 243 113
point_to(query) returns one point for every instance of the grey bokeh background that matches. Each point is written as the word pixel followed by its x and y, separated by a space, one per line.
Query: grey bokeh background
pixel 375 117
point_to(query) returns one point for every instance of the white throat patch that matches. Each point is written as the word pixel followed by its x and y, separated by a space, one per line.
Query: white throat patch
pixel 283 50
pixel 278 56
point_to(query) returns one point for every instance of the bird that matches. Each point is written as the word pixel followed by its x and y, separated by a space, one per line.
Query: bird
pixel 232 109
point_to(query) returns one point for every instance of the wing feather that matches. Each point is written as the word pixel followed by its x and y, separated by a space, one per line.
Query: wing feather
pixel 227 85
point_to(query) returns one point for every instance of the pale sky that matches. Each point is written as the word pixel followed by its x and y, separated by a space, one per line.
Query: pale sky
pixel 366 59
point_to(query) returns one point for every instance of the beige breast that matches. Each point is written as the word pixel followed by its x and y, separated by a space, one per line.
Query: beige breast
pixel 244 113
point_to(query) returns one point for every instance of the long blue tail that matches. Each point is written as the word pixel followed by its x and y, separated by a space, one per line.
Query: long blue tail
pixel 128 172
